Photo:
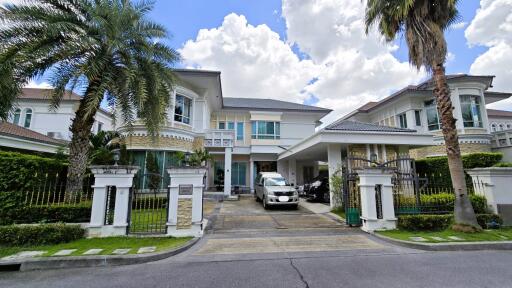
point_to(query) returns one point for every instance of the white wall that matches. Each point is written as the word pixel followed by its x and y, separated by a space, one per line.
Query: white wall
pixel 504 121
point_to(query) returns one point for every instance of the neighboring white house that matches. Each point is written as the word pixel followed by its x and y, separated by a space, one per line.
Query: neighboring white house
pixel 32 111
pixel 414 107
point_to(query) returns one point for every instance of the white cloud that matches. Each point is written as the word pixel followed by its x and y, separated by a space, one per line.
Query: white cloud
pixel 459 25
pixel 41 85
pixel 349 68
pixel 492 27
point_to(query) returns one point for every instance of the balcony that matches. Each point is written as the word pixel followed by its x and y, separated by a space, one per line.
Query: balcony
pixel 216 138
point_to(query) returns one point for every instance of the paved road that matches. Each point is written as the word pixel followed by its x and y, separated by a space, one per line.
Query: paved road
pixel 311 255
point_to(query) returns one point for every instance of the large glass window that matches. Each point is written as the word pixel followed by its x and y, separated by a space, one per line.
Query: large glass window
pixel 222 125
pixel 231 125
pixel 402 120
pixel 432 116
pixel 28 118
pixel 240 131
pixel 16 116
pixel 470 108
pixel 182 109
pixel 417 117
pixel 238 173
pixel 266 130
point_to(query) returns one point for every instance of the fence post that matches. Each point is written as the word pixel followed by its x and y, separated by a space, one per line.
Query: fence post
pixel 120 177
pixel 371 179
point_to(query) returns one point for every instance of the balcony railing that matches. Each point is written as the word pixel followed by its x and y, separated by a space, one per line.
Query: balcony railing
pixel 219 138
pixel 502 138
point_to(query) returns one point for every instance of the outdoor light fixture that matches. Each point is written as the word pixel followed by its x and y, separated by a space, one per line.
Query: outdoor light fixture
pixel 187 159
pixel 117 155
pixel 373 158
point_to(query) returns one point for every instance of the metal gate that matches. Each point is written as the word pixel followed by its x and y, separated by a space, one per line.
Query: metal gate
pixel 149 205
pixel 405 180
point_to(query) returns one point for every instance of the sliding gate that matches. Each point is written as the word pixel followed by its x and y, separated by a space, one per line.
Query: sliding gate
pixel 149 205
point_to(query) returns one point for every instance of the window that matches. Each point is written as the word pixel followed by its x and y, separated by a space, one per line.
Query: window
pixel 501 127
pixel 402 120
pixel 222 125
pixel 16 117
pixel 28 118
pixel 508 126
pixel 238 171
pixel 417 117
pixel 231 125
pixel 266 130
pixel 100 127
pixel 470 108
pixel 182 109
pixel 240 131
pixel 432 116
pixel 493 127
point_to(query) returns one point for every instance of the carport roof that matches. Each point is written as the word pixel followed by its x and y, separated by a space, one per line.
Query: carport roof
pixel 349 125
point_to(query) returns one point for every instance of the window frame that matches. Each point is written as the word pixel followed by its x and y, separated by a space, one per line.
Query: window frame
pixel 183 115
pixel 240 131
pixel 417 117
pixel 25 114
pixel 432 105
pixel 255 127
pixel 476 119
pixel 16 117
pixel 402 120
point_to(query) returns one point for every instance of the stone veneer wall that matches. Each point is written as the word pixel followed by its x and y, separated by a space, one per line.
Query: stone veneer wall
pixel 167 143
pixel 466 148
pixel 184 214
pixel 359 150
pixel 198 143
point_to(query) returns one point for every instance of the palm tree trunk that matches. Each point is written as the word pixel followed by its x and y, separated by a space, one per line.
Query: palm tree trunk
pixel 78 152
pixel 464 213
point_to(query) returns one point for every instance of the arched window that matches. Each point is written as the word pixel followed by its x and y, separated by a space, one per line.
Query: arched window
pixel 509 126
pixel 16 116
pixel 493 127
pixel 28 118
pixel 502 127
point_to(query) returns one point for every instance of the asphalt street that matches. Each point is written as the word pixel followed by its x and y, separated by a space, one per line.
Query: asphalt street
pixel 278 252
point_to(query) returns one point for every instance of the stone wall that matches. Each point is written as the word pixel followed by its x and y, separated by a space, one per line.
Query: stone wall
pixel 198 143
pixel 184 214
pixel 439 150
pixel 167 143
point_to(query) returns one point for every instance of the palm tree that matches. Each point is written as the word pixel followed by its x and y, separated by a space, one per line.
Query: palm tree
pixel 423 22
pixel 106 48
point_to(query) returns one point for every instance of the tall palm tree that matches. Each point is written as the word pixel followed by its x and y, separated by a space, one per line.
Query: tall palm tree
pixel 423 22
pixel 107 48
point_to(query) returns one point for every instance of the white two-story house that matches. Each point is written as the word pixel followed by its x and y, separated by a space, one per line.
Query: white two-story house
pixel 414 107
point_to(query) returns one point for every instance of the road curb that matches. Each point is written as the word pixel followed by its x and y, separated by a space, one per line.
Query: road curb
pixel 458 246
pixel 47 263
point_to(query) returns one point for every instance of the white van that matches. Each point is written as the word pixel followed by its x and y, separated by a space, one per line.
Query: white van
pixel 272 190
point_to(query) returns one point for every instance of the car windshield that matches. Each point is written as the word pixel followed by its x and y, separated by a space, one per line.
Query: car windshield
pixel 275 181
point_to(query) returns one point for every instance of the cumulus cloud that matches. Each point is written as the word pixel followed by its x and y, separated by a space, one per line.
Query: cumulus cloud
pixel 459 25
pixel 344 68
pixel 492 27
pixel 41 85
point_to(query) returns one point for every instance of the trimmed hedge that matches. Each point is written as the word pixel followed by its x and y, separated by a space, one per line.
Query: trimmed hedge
pixel 503 164
pixel 78 213
pixel 46 234
pixel 426 222
pixel 439 166
pixel 445 201
pixel 18 171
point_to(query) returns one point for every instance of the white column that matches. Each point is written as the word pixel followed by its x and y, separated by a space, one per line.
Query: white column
pixel 368 152
pixel 99 202
pixel 121 210
pixel 251 175
pixel 227 171
pixel 384 153
pixel 292 171
pixel 335 163
pixel 369 179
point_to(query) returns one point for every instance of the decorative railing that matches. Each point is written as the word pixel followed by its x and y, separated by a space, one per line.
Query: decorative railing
pixel 219 138
pixel 502 138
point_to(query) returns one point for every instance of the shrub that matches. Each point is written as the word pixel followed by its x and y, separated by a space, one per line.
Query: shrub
pixel 503 164
pixel 424 222
pixel 483 219
pixel 78 213
pixel 444 202
pixel 24 172
pixel 46 234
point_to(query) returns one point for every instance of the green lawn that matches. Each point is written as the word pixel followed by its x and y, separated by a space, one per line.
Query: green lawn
pixel 339 211
pixel 108 244
pixel 504 234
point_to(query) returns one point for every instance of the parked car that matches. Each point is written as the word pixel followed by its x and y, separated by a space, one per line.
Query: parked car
pixel 273 190
pixel 318 190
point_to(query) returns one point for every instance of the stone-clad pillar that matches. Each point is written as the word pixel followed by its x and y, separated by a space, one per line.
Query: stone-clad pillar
pixel 120 177
pixel 186 201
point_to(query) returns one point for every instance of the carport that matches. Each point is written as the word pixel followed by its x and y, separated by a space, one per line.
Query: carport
pixel 335 142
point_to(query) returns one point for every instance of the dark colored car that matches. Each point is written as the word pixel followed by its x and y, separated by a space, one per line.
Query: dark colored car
pixel 318 190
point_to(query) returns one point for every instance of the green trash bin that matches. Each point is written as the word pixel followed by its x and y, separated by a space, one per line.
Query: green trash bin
pixel 353 217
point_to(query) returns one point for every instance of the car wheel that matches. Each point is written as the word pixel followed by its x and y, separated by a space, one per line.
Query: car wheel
pixel 295 207
pixel 327 197
pixel 256 197
pixel 264 201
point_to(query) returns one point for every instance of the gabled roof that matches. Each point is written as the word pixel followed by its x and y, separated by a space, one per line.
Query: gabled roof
pixel 269 104
pixel 45 94
pixel 348 125
pixel 498 113
pixel 12 130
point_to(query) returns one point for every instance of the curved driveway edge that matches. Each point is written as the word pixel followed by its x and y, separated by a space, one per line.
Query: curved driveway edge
pixel 95 261
pixel 458 246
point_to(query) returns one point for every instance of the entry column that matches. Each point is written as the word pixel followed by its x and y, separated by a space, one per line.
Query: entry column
pixel 227 171
pixel 335 163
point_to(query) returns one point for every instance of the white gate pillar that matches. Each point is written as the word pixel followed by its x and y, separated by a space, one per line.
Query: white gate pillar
pixel 186 201
pixel 334 165
pixel 227 171
pixel 377 210
pixel 120 177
